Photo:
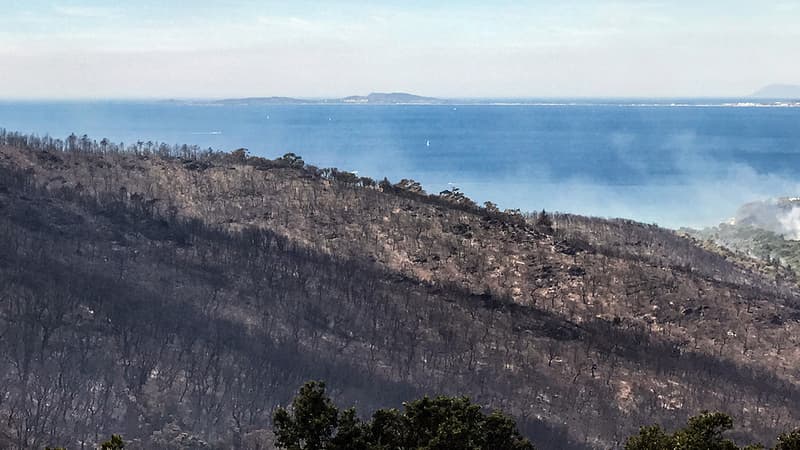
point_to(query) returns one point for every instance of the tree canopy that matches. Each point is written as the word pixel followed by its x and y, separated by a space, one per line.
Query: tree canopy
pixel 789 441
pixel 313 422
pixel 703 432
pixel 442 423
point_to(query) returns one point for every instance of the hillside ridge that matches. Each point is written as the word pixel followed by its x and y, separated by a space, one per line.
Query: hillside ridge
pixel 240 276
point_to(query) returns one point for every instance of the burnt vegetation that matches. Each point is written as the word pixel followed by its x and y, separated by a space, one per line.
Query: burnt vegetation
pixel 178 296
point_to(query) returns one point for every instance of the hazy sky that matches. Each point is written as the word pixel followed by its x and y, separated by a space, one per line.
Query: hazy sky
pixel 200 48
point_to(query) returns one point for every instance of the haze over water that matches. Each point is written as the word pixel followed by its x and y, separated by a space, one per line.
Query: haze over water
pixel 676 166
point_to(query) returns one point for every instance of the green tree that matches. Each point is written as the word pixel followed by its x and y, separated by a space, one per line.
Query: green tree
pixel 293 160
pixel 455 423
pixel 444 423
pixel 650 438
pixel 351 433
pixel 115 443
pixel 387 430
pixel 501 434
pixel 789 441
pixel 441 423
pixel 311 421
pixel 704 432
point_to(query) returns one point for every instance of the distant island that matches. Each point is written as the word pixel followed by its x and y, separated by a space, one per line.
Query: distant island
pixel 392 98
pixel 375 98
pixel 778 91
pixel 768 94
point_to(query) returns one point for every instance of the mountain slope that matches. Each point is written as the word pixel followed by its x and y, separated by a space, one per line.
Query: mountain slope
pixel 782 91
pixel 222 281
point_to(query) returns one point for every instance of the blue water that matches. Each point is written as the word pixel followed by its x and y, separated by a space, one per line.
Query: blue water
pixel 675 166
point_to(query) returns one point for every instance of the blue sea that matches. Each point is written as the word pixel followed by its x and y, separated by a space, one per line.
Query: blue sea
pixel 689 165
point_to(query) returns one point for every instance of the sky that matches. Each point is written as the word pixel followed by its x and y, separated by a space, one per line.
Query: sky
pixel 83 49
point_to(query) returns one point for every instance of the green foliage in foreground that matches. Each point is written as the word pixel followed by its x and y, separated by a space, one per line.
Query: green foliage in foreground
pixel 115 443
pixel 443 423
pixel 313 422
pixel 789 441
pixel 703 432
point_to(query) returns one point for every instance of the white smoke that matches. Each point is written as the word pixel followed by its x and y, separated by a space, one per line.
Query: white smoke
pixel 781 216
pixel 790 222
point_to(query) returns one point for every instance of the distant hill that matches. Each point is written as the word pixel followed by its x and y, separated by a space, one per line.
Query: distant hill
pixel 375 98
pixel 780 91
pixel 391 98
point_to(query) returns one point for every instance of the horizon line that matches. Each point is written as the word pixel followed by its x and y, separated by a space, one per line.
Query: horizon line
pixel 323 98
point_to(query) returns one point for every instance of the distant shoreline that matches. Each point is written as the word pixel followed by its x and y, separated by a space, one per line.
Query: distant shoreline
pixel 406 99
pixel 456 103
pixel 410 100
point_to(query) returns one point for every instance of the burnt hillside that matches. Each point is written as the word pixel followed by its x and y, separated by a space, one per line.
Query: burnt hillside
pixel 177 296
